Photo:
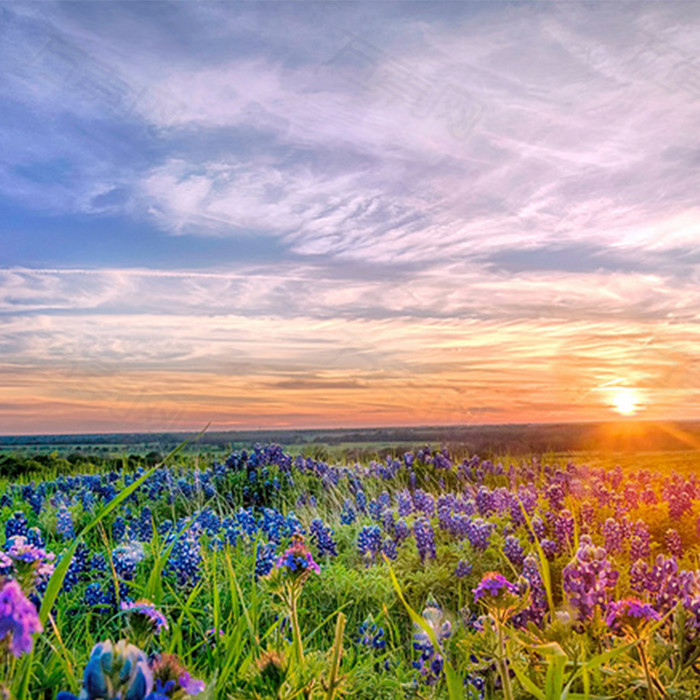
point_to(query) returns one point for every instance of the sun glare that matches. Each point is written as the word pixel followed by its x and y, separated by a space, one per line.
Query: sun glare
pixel 625 401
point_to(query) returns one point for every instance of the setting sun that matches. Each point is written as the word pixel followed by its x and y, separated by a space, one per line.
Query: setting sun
pixel 625 401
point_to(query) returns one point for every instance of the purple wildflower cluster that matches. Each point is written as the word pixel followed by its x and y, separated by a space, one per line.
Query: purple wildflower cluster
pixel 589 578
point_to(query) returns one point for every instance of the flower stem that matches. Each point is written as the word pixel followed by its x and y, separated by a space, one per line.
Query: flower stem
pixel 503 663
pixel 296 631
pixel 651 694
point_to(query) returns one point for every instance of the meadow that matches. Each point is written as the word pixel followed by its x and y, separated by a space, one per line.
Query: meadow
pixel 422 574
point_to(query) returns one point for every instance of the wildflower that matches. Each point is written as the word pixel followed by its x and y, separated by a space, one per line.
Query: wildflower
pixel 323 538
pixel 16 525
pixel 494 587
pixel 425 539
pixel 479 533
pixel 18 619
pixel 115 671
pixel 297 559
pixel 64 523
pixel 630 614
pixel 431 661
pixel 588 578
pixel 673 543
pixel 372 635
pixel 265 556
pixel 169 671
pixel 463 569
pixel 126 558
pixel 369 542
pixel 514 550
pixel 185 560
pixel 30 565
pixel 144 611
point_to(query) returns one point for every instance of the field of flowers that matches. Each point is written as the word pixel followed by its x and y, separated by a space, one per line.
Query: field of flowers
pixel 275 576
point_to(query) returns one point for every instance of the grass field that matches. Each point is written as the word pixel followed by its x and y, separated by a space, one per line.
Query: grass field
pixel 269 574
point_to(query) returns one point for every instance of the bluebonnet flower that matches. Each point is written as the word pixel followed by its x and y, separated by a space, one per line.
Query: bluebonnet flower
pixel 613 535
pixel 564 529
pixel 673 543
pixel 389 549
pixel 431 661
pixel 113 672
pixel 273 524
pixel 323 538
pixel 95 596
pixel 64 523
pixel 640 542
pixel 550 548
pixel 514 551
pixel 143 527
pixel 293 526
pixel 538 596
pixel 16 525
pixel 485 502
pixel 361 501
pixel 118 529
pixel 98 564
pixel 405 503
pixel 18 619
pixel 126 558
pixel 347 514
pixel 663 582
pixel 35 537
pixel 425 539
pixel 265 556
pixel 375 510
pixel 424 503
pixel 401 531
pixel 247 522
pixel 185 561
pixel 369 542
pixel 231 531
pixel 479 533
pixel 539 527
pixel 371 635
pixel 463 569
pixel 588 578
pixel 78 567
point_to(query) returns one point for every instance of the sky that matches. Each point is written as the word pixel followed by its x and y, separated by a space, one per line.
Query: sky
pixel 307 214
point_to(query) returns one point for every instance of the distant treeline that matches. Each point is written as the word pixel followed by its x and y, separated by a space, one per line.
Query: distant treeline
pixel 13 466
pixel 485 440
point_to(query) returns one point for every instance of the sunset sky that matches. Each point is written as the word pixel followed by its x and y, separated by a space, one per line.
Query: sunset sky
pixel 344 214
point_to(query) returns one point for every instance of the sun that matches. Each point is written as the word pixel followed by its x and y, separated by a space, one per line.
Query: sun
pixel 625 401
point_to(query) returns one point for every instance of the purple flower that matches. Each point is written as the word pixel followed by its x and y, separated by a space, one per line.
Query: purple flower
pixel 630 614
pixel 493 586
pixel 190 685
pixel 514 551
pixel 463 569
pixel 425 539
pixel 18 619
pixel 297 558
pixel 147 610
pixel 588 578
